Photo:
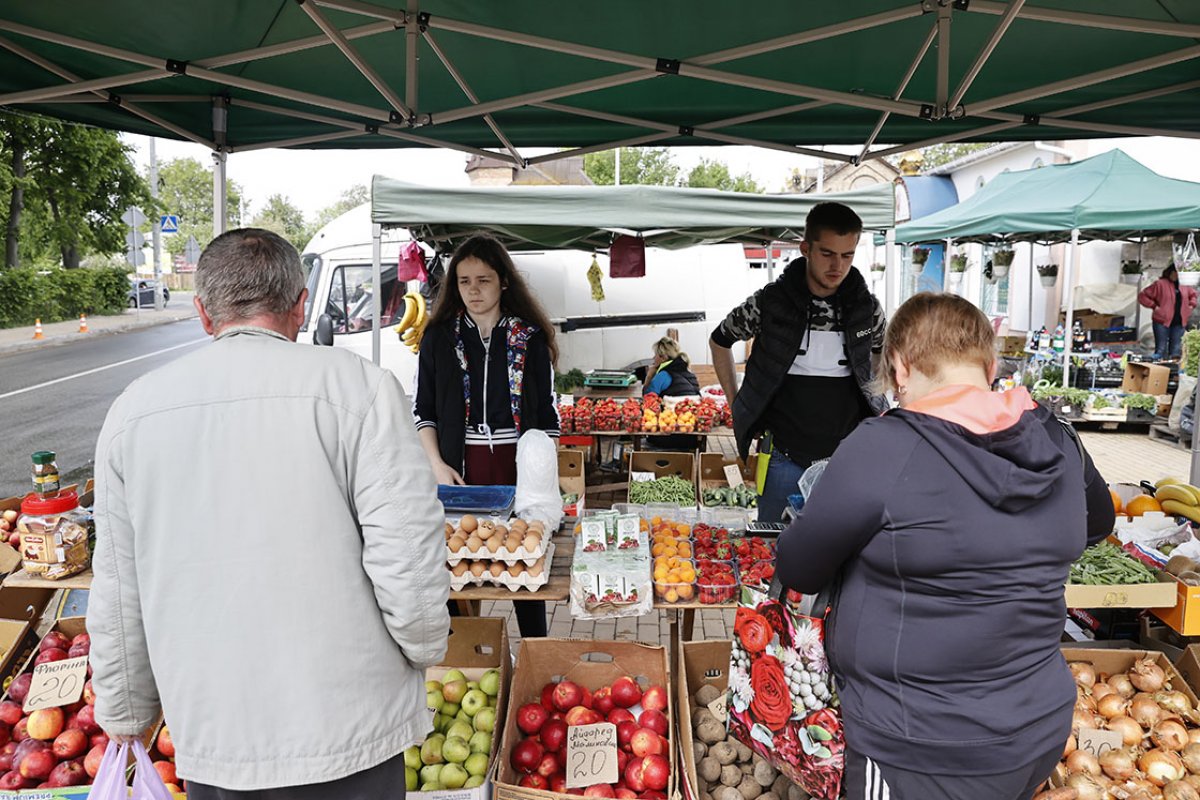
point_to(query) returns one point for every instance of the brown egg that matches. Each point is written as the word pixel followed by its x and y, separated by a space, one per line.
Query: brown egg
pixel 478 568
pixel 460 568
pixel 519 525
pixel 513 542
pixel 456 543
pixel 486 527
pixel 516 569
pixel 449 530
pixel 474 543
pixel 532 542
pixel 494 543
pixel 536 570
pixel 537 525
pixel 497 569
pixel 468 523
pixel 501 531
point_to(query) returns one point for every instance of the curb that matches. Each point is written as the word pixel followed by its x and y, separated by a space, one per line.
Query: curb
pixel 69 338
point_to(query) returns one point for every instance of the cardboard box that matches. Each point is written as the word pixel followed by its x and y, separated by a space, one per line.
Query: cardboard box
pixel 1113 661
pixel 1013 342
pixel 24 604
pixel 1184 616
pixel 1132 595
pixel 18 642
pixel 700 663
pixel 711 472
pixel 682 465
pixel 1091 320
pixel 1156 636
pixel 1146 378
pixel 590 664
pixel 1188 665
pixel 571 478
pixel 476 645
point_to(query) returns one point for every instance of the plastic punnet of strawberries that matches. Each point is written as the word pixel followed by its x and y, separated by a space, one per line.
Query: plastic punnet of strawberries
pixel 717 581
pixel 751 550
pixel 712 542
pixel 757 573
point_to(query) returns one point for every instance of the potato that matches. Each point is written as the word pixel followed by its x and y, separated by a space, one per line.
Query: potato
pixel 749 788
pixel 731 775
pixel 704 795
pixel 706 694
pixel 768 796
pixel 727 793
pixel 746 768
pixel 702 715
pixel 796 793
pixel 709 769
pixel 764 773
pixel 744 754
pixel 712 733
pixel 699 751
pixel 724 753
pixel 780 787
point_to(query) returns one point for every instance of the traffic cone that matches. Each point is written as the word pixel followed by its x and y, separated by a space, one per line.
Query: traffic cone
pixel 37 329
pixel 83 328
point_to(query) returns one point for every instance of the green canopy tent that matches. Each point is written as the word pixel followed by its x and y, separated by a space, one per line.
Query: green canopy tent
pixel 525 217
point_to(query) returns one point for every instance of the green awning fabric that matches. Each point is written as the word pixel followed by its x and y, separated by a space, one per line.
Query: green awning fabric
pixel 1109 196
pixel 588 216
pixel 547 73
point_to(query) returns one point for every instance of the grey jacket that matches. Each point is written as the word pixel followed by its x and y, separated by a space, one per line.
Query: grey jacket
pixel 269 563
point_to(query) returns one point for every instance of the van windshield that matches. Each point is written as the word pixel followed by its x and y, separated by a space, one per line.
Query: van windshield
pixel 314 275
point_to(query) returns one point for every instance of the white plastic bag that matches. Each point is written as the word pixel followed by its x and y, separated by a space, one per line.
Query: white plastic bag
pixel 537 480
pixel 110 778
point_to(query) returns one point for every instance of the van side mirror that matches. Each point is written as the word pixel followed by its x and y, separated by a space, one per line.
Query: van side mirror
pixel 323 335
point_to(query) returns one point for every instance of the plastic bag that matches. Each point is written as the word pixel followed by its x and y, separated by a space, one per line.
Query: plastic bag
pixel 537 480
pixel 411 266
pixel 110 778
pixel 808 480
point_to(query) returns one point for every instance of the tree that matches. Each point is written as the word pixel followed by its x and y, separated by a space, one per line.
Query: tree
pixel 645 165
pixel 938 154
pixel 185 188
pixel 280 216
pixel 712 174
pixel 351 198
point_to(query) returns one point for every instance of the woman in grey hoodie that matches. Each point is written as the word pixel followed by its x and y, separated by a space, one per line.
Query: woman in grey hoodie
pixel 951 523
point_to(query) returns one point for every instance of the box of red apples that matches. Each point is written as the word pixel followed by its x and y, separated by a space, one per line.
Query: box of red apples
pixel 561 684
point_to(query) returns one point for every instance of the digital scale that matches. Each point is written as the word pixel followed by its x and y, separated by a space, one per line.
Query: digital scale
pixel 609 378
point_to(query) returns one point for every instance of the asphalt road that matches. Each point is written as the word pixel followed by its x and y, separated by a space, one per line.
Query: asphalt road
pixel 55 398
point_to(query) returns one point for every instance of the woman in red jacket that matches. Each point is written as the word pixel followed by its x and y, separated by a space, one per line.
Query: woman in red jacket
pixel 1172 304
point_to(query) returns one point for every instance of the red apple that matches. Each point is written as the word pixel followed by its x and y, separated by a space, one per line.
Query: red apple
pixel 50 654
pixel 582 715
pixel 98 740
pixel 10 712
pixel 626 794
pixel 655 721
pixel 548 696
pixel 622 761
pixel 531 717
pixel 15 781
pixel 86 720
pixel 82 640
pixel 533 781
pixel 655 699
pixel 46 723
pixel 548 766
pixel 567 695
pixel 5 735
pixel 68 773
pixel 619 715
pixel 19 688
pixel 558 783
pixel 70 744
pixel 526 756
pixel 14 540
pixel 165 744
pixel 587 700
pixel 625 733
pixel 166 771
pixel 54 639
pixel 89 694
pixel 37 764
pixel 599 790
pixel 645 742
pixel 652 795
pixel 6 756
pixel 656 772
pixel 556 714
pixel 19 731
pixel 633 775
pixel 602 700
pixel 625 692
pixel 554 735
pixel 91 762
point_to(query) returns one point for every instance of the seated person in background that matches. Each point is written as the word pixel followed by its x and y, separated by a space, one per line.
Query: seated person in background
pixel 669 376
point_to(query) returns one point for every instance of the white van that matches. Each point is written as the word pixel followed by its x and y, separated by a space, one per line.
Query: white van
pixel 689 290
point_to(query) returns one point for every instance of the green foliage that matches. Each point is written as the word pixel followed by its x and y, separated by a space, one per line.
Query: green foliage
pixel 280 216
pixel 939 154
pixel 351 198
pixel 711 174
pixel 28 294
pixel 1145 402
pixel 1099 401
pixel 1191 353
pixel 644 165
pixel 568 381
pixel 185 188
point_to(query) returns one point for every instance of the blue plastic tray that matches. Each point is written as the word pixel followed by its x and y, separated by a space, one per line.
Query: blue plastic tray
pixel 478 499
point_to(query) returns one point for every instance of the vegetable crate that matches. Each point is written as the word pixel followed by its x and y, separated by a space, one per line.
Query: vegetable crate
pixel 1159 596
pixel 700 663
pixel 662 464
pixel 1115 660
pixel 711 472
pixel 1183 616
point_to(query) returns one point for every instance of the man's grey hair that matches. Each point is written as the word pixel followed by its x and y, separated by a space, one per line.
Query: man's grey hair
pixel 246 273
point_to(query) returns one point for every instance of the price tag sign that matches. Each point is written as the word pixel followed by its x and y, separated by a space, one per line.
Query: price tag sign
pixel 591 755
pixel 1099 742
pixel 57 683
pixel 720 708
pixel 642 477
pixel 733 474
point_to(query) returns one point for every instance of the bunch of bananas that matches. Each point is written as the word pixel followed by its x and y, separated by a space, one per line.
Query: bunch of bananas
pixel 1178 498
pixel 594 274
pixel 412 324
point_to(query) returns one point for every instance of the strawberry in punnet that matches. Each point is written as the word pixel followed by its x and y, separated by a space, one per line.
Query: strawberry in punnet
pixel 716 581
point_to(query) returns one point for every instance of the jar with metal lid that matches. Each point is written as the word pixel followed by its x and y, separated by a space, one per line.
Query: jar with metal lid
pixel 45 473
pixel 53 534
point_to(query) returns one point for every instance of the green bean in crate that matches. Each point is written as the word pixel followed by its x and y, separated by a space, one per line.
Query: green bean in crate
pixel 1107 565
pixel 671 489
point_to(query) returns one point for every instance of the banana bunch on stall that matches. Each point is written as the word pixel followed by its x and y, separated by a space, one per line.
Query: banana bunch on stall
pixel 1178 498
pixel 412 324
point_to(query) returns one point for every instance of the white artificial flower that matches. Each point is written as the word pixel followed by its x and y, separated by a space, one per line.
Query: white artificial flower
pixel 743 692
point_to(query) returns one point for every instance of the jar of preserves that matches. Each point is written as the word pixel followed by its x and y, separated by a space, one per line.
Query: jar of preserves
pixel 45 473
pixel 53 535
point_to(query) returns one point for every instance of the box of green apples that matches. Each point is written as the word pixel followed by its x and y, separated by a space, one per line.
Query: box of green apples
pixel 467 694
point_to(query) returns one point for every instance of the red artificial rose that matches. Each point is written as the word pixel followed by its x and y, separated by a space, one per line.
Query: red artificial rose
pixel 752 629
pixel 772 704
pixel 776 616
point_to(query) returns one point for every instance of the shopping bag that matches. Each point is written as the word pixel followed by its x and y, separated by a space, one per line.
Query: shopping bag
pixel 110 778
pixel 782 702
pixel 412 263
pixel 627 257
pixel 147 784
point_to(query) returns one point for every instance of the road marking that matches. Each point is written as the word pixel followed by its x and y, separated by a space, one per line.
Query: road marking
pixel 102 369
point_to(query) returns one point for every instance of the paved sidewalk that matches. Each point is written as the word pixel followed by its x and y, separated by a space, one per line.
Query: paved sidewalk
pixel 58 333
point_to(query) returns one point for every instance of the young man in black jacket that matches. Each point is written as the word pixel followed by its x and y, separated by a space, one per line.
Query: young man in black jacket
pixel 817 334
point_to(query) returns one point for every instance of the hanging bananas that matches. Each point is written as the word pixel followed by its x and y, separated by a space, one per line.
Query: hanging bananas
pixel 594 275
pixel 412 323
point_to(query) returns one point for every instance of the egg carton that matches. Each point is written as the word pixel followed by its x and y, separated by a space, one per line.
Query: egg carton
pixel 510 557
pixel 522 581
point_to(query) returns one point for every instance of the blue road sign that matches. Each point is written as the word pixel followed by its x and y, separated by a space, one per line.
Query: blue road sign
pixel 169 223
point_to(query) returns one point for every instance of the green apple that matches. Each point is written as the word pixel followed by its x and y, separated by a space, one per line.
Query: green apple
pixel 410 779
pixel 463 716
pixel 453 691
pixel 431 773
pixel 462 730
pixel 431 752
pixel 449 709
pixel 473 701
pixel 455 750
pixel 434 700
pixel 485 720
pixel 443 725
pixel 431 787
pixel 489 682
pixel 481 742
pixel 412 758
pixel 454 675
pixel 454 776
pixel 433 686
pixel 493 701
pixel 472 685
pixel 476 763
pixel 473 781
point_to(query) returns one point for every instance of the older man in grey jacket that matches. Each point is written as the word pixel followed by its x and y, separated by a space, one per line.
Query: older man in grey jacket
pixel 270 565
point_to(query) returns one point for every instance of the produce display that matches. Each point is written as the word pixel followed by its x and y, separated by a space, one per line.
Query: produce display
pixel 643 728
pixel 455 754
pixel 1178 498
pixel 487 551
pixel 1159 754
pixel 741 496
pixel 669 489
pixel 1105 564
pixel 52 535
pixel 726 768
pixel 647 415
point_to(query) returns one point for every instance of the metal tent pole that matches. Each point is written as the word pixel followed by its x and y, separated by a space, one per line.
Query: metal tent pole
pixel 376 289
pixel 891 283
pixel 1071 270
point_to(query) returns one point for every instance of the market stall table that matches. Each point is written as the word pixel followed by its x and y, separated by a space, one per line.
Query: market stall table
pixel 556 589
pixel 21 579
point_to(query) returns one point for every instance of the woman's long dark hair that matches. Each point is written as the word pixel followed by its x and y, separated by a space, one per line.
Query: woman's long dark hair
pixel 516 299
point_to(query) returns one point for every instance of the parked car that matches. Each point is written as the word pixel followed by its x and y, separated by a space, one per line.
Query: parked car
pixel 141 293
